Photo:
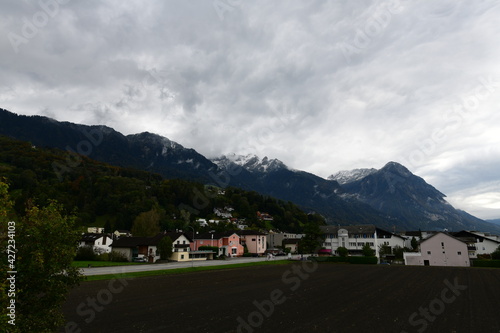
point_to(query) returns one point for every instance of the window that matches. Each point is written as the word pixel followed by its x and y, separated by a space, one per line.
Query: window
pixel 182 256
pixel 428 252
pixel 459 253
pixel 442 244
pixel 183 242
pixel 253 239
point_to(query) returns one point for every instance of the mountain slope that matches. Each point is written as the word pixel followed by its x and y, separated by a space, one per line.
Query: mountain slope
pixel 144 151
pixel 347 176
pixel 390 197
pixel 395 191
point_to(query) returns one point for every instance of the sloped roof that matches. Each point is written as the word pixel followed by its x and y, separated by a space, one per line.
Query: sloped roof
pixel 468 234
pixel 357 229
pixel 249 232
pixel 146 241
pixel 446 234
pixel 216 235
pixel 92 237
pixel 352 229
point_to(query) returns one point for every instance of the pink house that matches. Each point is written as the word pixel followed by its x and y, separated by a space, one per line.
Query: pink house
pixel 228 243
pixel 255 241
pixel 440 249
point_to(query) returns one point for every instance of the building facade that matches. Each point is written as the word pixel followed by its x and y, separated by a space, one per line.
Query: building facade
pixel 354 237
pixel 441 249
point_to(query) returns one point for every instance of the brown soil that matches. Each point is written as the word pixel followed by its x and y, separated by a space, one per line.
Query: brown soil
pixel 300 297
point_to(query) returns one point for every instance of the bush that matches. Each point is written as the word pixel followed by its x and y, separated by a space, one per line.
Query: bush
pixel 117 257
pixel 362 260
pixel 496 255
pixel 351 260
pixel 342 251
pixel 486 263
pixel 86 253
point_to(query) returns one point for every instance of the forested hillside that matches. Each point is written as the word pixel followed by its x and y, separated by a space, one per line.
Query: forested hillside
pixel 103 195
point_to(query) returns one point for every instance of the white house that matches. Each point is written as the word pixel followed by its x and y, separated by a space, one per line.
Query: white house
pixel 354 237
pixel 441 249
pixel 101 243
pixel 132 247
pixel 478 242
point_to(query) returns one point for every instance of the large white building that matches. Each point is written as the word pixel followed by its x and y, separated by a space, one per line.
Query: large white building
pixel 354 237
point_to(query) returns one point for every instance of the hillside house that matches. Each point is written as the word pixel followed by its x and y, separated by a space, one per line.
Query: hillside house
pixel 441 249
pixel 101 243
pixel 122 233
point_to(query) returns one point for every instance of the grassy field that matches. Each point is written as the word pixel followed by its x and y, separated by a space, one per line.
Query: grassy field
pixel 182 270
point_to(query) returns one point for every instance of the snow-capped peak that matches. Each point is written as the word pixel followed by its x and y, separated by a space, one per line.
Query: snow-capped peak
pixel 250 162
pixel 348 176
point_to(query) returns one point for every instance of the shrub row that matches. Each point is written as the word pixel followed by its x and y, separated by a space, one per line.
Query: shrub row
pixel 351 260
pixel 486 263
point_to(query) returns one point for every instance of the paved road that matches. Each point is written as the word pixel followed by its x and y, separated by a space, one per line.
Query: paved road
pixel 172 265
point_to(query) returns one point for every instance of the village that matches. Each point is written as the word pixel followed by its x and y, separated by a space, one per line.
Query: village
pixel 421 248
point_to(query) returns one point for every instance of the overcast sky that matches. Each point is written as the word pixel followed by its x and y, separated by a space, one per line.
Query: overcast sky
pixel 321 85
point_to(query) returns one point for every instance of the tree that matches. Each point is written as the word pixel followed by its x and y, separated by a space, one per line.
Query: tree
pixel 368 251
pixel 312 239
pixel 398 252
pixel 147 224
pixel 414 243
pixel 496 255
pixel 165 248
pixel 342 251
pixel 46 243
pixel 384 250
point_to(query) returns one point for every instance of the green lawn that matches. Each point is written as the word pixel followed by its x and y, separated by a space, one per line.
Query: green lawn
pixel 84 264
pixel 183 270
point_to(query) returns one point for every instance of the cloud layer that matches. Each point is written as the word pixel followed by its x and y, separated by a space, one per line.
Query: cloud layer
pixel 321 85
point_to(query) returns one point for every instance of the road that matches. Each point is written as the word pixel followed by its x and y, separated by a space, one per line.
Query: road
pixel 171 265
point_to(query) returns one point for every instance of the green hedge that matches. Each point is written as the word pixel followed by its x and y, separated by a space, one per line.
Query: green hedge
pixel 486 263
pixel 351 260
pixel 363 260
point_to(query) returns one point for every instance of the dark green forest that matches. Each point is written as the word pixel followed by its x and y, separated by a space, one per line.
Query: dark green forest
pixel 99 194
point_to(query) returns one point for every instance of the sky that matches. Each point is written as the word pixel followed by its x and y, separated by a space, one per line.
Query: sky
pixel 321 85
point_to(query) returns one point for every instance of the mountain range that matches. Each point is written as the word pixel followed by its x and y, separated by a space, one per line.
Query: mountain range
pixel 391 198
